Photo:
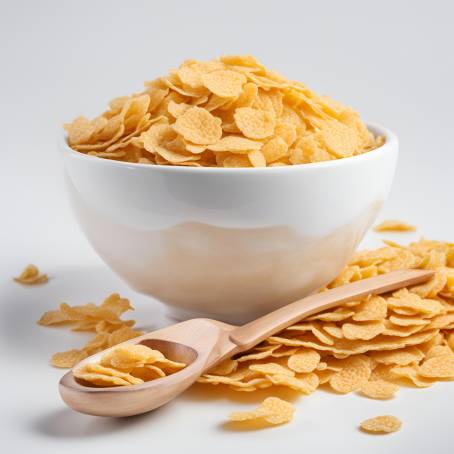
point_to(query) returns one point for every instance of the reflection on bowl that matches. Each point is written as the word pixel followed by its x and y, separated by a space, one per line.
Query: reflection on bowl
pixel 230 244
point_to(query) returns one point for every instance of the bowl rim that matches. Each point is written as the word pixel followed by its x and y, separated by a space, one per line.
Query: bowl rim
pixel 389 146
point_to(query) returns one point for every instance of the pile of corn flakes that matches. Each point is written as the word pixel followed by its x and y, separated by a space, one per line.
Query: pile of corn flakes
pixel 104 320
pixel 229 112
pixel 370 346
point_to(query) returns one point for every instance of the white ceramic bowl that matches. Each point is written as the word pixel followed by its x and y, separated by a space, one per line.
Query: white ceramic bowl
pixel 229 244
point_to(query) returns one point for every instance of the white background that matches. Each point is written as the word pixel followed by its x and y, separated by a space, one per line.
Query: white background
pixel 392 61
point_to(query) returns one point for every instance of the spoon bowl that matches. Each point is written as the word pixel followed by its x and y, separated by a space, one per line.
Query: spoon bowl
pixel 199 349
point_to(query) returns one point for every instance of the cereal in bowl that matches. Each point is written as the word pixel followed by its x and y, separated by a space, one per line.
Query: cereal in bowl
pixel 229 112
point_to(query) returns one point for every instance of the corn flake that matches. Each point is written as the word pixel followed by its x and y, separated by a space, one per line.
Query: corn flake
pixel 351 377
pixel 381 425
pixel 31 276
pixel 224 83
pixel 198 126
pixel 273 410
pixel 363 331
pixel 379 389
pixel 254 123
pixel 129 364
pixel 304 361
pixel 440 366
pixel 394 226
pixel 235 144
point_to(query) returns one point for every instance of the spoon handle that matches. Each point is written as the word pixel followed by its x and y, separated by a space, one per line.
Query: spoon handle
pixel 252 333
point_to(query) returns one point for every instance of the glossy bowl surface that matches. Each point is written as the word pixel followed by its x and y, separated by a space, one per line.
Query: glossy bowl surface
pixel 229 244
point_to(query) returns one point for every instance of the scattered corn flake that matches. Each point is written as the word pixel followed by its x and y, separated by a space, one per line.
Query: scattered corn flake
pixel 316 329
pixel 226 367
pixel 334 330
pixel 283 352
pixel 381 424
pixel 409 300
pixel 335 316
pixel 379 389
pixel 431 288
pixel 304 383
pixel 382 372
pixel 348 347
pixel 374 308
pixel 273 410
pixel 304 361
pixel 50 318
pixel 122 334
pixel 401 331
pixel 116 304
pixel 257 355
pixel 351 377
pixel 271 369
pixel 411 373
pixel 363 330
pixel 252 385
pixel 394 226
pixel 103 319
pixel 400 357
pixel 68 359
pixel 97 343
pixel 440 366
pixel 31 276
pixel 234 383
pixel 402 320
pixel 324 376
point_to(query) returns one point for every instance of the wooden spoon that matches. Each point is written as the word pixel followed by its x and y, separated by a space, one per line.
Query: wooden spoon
pixel 203 343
